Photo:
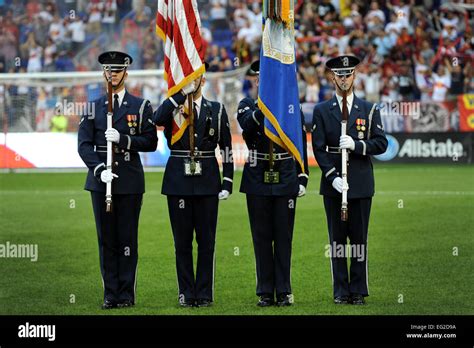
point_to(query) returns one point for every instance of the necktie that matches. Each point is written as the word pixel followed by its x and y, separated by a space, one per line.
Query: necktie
pixel 344 106
pixel 116 104
pixel 196 114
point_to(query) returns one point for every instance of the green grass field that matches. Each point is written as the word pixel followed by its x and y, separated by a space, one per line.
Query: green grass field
pixel 410 248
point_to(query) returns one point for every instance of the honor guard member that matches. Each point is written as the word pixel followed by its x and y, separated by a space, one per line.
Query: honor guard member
pixel 132 132
pixel 193 186
pixel 365 137
pixel 271 201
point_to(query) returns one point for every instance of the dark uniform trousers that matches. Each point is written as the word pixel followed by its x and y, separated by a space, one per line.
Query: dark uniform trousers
pixel 186 216
pixel 193 200
pixel 117 234
pixel 272 220
pixel 369 140
pixel 356 230
pixel 271 207
pixel 117 231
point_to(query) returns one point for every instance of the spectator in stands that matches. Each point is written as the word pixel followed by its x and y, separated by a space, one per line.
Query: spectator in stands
pixel 402 11
pixel 56 29
pixel 59 123
pixel 251 35
pixel 372 83
pixel 384 43
pixel 405 82
pixel 109 16
pixel 64 62
pixel 469 80
pixel 41 27
pixel 25 28
pixel 35 54
pixel 49 56
pixel 77 30
pixel 218 15
pixel 441 83
pixel 32 8
pixel 213 58
pixel 312 90
pixel 423 79
pixel 427 52
pixel 94 9
pixel 375 12
pixel 324 8
pixel 8 47
pixel 457 79
pixel 143 14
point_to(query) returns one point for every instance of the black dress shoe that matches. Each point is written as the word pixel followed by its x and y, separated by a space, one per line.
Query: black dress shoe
pixel 284 300
pixel 357 299
pixel 187 303
pixel 109 304
pixel 202 302
pixel 341 300
pixel 125 303
pixel 265 301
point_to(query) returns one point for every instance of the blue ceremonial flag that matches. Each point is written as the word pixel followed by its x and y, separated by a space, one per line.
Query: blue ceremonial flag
pixel 278 88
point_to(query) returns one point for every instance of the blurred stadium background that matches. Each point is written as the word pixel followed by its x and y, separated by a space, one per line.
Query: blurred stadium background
pixel 417 63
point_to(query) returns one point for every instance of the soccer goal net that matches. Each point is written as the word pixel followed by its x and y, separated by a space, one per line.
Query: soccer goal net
pixel 28 102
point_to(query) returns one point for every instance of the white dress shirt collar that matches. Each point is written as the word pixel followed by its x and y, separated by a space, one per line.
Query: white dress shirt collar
pixel 121 95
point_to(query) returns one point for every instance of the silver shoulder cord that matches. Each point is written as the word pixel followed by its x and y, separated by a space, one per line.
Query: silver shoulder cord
pixel 219 122
pixel 370 120
pixel 142 108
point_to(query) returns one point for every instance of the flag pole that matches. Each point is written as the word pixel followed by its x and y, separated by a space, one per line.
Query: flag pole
pixel 191 126
pixel 108 186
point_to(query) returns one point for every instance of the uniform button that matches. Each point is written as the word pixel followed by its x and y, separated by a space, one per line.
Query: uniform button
pixel 116 163
pixel 123 151
pixel 195 135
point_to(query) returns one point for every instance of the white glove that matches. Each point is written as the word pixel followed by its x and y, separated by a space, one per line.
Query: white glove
pixel 223 195
pixel 337 184
pixel 107 176
pixel 346 142
pixel 189 88
pixel 112 135
pixel 302 191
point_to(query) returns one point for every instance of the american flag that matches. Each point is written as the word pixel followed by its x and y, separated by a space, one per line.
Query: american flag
pixel 178 25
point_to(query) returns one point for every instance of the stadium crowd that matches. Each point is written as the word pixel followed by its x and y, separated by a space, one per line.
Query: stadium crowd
pixel 411 49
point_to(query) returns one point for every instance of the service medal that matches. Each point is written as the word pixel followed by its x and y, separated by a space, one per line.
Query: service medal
pixel 132 131
pixel 360 135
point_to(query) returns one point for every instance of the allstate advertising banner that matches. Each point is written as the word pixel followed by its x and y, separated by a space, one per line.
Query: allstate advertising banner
pixel 428 148
pixel 59 150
